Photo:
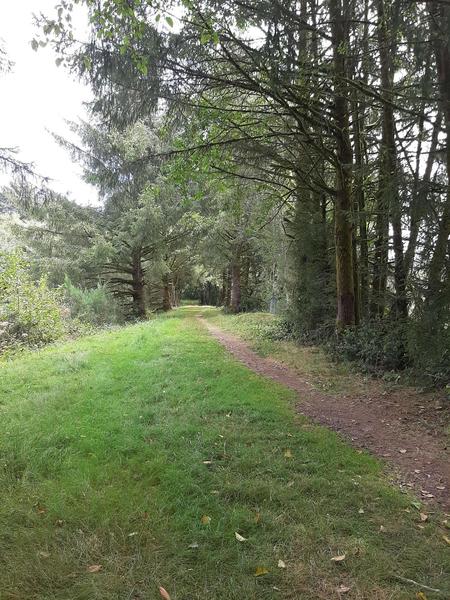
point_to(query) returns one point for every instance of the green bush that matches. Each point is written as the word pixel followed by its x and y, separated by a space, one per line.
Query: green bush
pixel 31 314
pixel 94 306
pixel 376 346
pixel 429 346
pixel 421 347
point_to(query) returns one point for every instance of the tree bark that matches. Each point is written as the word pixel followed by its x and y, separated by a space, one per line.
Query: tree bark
pixel 166 303
pixel 389 204
pixel 223 290
pixel 440 15
pixel 343 203
pixel 420 196
pixel 235 304
pixel 138 285
pixel 227 302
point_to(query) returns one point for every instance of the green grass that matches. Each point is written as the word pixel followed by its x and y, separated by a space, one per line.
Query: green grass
pixel 113 447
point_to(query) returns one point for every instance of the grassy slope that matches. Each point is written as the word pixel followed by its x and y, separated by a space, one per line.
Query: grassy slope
pixel 102 450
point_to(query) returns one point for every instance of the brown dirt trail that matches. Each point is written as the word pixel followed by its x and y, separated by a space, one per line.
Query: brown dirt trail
pixel 417 452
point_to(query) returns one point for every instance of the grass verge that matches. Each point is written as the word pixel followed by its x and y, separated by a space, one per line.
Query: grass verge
pixel 139 454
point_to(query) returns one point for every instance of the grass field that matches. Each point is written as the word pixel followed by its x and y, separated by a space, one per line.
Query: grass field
pixel 130 460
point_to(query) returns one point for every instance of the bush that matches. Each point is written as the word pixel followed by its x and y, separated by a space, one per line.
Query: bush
pixel 376 346
pixel 94 306
pixel 429 344
pixel 421 346
pixel 30 312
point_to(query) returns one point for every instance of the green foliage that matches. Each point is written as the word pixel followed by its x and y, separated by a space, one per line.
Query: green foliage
pixel 95 306
pixel 30 312
pixel 375 346
pixel 429 345
pixel 422 347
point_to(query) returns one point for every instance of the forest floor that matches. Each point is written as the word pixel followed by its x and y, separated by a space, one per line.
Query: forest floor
pixel 148 456
pixel 407 428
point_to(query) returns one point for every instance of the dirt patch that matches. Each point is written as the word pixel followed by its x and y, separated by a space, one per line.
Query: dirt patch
pixel 408 441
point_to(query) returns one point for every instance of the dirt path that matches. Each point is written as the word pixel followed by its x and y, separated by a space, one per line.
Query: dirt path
pixel 418 454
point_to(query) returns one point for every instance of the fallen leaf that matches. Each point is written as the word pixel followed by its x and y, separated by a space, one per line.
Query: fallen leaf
pixel 423 517
pixel 343 589
pixel 193 546
pixel 421 596
pixel 205 520
pixel 338 558
pixel 446 539
pixel 288 453
pixel 239 537
pixel 94 568
pixel 164 593
pixel 440 487
pixel 402 451
pixel 261 571
pixel 281 564
pixel 44 554
pixel 361 511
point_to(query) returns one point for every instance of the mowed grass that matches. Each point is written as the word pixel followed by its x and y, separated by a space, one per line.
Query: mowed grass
pixel 114 449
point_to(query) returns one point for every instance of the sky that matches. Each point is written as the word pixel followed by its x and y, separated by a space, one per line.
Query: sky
pixel 36 98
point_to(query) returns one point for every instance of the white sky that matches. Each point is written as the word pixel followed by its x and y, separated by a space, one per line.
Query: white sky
pixel 36 98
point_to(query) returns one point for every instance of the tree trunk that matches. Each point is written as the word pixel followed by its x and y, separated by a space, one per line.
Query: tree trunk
pixel 420 196
pixel 359 112
pixel 235 304
pixel 227 302
pixel 388 204
pixel 343 202
pixel 440 14
pixel 223 290
pixel 166 303
pixel 138 286
pixel 173 294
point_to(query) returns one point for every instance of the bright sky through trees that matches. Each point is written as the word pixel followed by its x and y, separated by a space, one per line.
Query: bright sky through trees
pixel 36 99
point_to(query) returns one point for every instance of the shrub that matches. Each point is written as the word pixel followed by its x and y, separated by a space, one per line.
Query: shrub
pixel 30 312
pixel 421 346
pixel 375 345
pixel 429 346
pixel 94 306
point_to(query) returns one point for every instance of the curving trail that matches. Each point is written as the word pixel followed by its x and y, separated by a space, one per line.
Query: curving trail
pixel 420 458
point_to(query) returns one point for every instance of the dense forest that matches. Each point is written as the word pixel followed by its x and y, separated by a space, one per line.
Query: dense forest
pixel 290 157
